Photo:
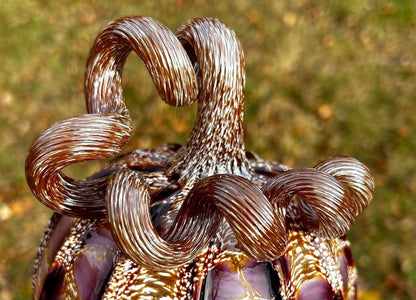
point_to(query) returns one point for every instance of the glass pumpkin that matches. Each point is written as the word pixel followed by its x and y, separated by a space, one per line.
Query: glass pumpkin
pixel 206 220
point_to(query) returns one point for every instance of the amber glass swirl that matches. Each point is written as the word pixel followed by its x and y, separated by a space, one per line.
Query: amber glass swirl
pixel 106 129
pixel 325 199
pixel 259 230
pixel 216 143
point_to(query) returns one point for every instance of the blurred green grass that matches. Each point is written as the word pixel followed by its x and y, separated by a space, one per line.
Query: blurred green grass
pixel 323 78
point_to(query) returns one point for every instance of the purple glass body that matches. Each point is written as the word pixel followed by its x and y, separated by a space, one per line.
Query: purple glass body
pixel 206 220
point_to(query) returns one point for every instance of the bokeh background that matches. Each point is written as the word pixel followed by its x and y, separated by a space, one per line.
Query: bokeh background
pixel 323 78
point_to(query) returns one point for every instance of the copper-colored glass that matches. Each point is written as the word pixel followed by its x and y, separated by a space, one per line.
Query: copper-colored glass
pixel 206 220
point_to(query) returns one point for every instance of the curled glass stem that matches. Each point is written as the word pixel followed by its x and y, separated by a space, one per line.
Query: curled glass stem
pixel 216 143
pixel 106 129
pixel 259 230
pixel 161 52
pixel 355 177
pixel 325 199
